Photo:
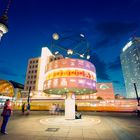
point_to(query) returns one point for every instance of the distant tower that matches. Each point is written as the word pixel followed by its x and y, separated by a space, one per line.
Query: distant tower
pixel 4 20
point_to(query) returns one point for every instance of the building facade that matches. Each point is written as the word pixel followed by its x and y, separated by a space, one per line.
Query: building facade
pixel 32 74
pixel 130 61
pixel 59 69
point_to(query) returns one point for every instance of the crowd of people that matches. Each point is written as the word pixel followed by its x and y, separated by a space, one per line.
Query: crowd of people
pixel 55 109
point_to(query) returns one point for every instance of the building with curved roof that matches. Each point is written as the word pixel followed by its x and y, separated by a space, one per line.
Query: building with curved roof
pixel 10 88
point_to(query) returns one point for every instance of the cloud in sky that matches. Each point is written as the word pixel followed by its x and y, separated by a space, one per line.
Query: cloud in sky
pixel 8 72
pixel 7 69
pixel 110 33
pixel 115 65
pixel 101 67
pixel 116 28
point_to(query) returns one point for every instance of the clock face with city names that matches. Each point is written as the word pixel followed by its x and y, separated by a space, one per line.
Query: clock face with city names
pixel 103 86
pixel 75 75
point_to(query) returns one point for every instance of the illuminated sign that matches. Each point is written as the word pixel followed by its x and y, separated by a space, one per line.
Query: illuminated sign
pixel 72 75
pixel 70 72
pixel 70 63
pixel 70 83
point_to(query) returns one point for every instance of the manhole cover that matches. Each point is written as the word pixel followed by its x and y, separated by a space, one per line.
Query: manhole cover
pixel 52 129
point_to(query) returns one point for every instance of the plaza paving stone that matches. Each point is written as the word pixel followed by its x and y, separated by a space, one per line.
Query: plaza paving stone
pixel 40 125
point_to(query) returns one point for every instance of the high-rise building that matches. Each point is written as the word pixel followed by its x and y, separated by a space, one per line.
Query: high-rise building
pixel 130 61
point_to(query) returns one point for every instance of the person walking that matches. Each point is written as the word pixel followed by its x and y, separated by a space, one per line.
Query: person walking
pixel 6 113
pixel 23 108
pixel 28 109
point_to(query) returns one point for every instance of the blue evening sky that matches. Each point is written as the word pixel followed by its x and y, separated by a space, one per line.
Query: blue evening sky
pixel 107 25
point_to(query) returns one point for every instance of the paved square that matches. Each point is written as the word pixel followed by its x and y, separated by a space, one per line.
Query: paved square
pixel 92 126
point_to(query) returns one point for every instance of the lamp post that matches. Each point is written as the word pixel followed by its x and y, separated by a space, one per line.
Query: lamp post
pixel 28 100
pixel 135 87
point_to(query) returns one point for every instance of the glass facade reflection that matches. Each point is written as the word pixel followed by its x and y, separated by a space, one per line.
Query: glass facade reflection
pixel 130 61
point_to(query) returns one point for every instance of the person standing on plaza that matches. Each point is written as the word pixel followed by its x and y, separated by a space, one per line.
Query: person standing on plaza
pixel 7 111
pixel 57 109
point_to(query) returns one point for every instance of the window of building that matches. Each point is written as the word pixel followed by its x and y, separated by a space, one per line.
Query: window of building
pixel 27 82
pixel 30 67
pixel 32 71
pixel 30 62
pixel 35 71
pixel 36 61
pixel 31 77
pixel 28 77
pixel 30 82
pixel 36 66
pixel 26 88
pixel 34 82
pixel 33 66
pixel 29 71
pixel 35 76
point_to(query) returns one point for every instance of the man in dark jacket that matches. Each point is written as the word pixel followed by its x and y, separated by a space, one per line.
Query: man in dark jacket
pixel 6 115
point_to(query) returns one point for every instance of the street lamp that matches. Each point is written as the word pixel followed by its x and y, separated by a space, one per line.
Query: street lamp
pixel 28 100
pixel 135 87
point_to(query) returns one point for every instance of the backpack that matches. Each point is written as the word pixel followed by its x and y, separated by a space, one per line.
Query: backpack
pixel 6 112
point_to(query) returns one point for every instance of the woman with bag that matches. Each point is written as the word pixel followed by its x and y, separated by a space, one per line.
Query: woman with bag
pixel 6 115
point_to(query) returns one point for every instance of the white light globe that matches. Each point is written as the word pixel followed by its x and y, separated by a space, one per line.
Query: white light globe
pixel 55 36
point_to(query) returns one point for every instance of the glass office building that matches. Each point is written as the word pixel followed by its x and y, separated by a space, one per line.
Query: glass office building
pixel 130 61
